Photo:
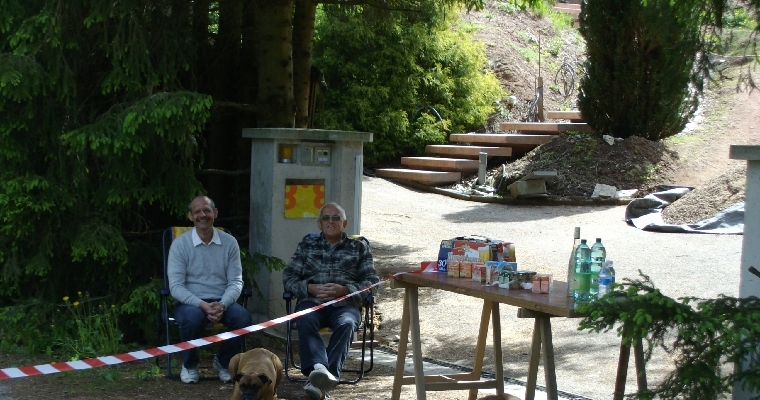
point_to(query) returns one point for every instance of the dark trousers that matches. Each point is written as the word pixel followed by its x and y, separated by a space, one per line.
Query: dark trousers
pixel 192 323
pixel 343 321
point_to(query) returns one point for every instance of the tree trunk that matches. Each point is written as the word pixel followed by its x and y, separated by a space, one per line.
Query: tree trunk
pixel 275 106
pixel 223 137
pixel 303 35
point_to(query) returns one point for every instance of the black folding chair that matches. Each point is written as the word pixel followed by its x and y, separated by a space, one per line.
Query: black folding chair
pixel 165 320
pixel 364 341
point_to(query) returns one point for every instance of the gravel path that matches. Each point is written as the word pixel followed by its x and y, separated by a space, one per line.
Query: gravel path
pixel 406 226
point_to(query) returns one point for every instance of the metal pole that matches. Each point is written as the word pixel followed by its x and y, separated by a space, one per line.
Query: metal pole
pixel 483 158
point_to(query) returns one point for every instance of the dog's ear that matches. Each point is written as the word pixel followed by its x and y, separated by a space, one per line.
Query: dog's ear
pixel 237 377
pixel 264 379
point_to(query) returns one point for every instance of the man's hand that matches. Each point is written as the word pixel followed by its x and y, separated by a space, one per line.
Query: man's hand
pixel 327 291
pixel 214 311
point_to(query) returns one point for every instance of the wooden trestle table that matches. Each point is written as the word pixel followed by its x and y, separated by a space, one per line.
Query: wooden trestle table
pixel 539 306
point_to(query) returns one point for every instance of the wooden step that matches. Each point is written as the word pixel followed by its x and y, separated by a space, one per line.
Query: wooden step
pixel 500 138
pixel 567 8
pixel 471 152
pixel 574 115
pixel 441 164
pixel 549 128
pixel 430 178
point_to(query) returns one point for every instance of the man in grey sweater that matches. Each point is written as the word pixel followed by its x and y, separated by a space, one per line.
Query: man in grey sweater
pixel 206 279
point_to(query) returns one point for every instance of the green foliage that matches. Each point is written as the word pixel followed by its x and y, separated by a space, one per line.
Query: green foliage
pixel 253 263
pixel 640 77
pixel 703 336
pixel 89 328
pixel 417 67
pixel 27 326
pixel 97 128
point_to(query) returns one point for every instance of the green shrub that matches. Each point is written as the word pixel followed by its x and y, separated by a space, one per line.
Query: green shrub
pixel 418 67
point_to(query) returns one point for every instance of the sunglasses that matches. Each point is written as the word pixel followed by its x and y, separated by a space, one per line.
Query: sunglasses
pixel 327 218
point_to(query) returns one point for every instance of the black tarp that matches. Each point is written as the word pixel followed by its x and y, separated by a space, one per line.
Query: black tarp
pixel 646 214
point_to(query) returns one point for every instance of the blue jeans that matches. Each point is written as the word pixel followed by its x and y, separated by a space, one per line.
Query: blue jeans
pixel 343 321
pixel 192 323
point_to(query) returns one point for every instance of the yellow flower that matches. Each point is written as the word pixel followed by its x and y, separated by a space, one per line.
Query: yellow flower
pixel 76 303
pixel 113 306
pixel 65 298
pixel 79 293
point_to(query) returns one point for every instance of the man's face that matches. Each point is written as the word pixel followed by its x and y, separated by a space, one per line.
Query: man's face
pixel 202 214
pixel 332 228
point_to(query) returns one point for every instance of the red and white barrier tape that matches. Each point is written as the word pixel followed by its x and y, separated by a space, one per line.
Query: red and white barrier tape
pixel 44 369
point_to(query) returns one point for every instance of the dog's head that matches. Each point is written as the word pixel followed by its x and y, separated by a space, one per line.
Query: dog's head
pixel 251 384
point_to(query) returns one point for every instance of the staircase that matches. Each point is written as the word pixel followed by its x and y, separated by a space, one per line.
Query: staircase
pixel 447 164
pixel 571 7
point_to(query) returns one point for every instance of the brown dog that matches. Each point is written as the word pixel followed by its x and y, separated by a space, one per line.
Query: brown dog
pixel 256 374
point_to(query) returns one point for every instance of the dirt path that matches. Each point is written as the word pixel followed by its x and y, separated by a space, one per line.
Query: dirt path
pixel 727 117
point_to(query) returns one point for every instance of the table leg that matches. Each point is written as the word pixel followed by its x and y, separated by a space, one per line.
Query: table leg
pixel 535 354
pixel 414 323
pixel 401 356
pixel 641 373
pixel 497 355
pixel 550 375
pixel 622 371
pixel 480 348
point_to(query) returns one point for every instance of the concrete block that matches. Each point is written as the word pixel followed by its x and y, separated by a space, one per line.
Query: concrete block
pixel 539 175
pixel 602 191
pixel 531 188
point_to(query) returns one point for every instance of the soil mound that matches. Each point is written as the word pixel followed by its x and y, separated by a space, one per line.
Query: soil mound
pixel 707 200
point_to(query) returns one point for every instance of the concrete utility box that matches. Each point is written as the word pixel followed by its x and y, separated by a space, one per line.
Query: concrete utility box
pixel 294 172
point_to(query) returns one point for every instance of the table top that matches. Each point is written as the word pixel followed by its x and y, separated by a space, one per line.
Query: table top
pixel 556 303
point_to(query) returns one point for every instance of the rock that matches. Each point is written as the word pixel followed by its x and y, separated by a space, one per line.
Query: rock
pixel 609 139
pixel 603 191
pixel 626 194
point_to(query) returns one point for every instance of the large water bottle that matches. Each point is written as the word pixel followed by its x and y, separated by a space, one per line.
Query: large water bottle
pixel 598 255
pixel 582 292
pixel 606 278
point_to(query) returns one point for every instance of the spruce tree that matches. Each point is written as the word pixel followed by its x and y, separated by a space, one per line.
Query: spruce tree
pixel 640 76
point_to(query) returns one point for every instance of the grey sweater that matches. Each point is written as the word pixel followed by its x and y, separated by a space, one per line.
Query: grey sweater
pixel 210 271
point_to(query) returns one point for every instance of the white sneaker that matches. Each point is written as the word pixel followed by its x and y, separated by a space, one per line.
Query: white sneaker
pixel 224 373
pixel 314 392
pixel 322 378
pixel 189 375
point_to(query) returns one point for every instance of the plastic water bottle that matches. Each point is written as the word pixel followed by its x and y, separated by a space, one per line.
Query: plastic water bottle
pixel 598 256
pixel 606 278
pixel 572 283
pixel 582 293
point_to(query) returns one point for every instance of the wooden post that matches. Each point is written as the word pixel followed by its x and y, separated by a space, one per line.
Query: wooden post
pixel 540 105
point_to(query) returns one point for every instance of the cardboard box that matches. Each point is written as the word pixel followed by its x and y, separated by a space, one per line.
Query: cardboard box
pixel 492 250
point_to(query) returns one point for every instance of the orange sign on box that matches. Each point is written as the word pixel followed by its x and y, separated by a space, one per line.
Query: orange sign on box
pixel 304 199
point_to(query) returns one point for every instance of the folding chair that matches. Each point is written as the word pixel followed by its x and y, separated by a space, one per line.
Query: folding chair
pixel 165 320
pixel 364 339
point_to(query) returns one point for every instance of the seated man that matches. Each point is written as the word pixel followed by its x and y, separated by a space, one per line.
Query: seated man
pixel 325 267
pixel 205 279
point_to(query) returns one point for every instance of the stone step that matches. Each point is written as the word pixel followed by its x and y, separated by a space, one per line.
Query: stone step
pixel 573 115
pixel 430 178
pixel 441 164
pixel 549 128
pixel 469 152
pixel 508 139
